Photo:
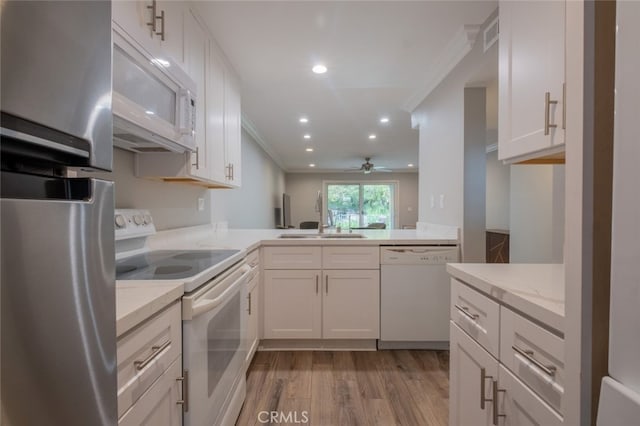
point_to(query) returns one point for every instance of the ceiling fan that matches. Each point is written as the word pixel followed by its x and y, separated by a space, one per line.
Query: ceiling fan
pixel 368 167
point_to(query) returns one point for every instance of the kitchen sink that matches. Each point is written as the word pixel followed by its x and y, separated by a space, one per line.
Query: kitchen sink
pixel 318 236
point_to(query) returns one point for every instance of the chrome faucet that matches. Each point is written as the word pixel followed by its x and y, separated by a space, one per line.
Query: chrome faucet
pixel 319 210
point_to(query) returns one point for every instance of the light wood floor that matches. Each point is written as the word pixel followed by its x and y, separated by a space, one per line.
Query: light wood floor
pixel 349 388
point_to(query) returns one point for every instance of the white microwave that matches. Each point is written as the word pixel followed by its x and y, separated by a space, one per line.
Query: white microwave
pixel 154 100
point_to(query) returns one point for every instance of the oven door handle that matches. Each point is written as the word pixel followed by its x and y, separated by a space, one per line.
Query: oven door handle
pixel 204 305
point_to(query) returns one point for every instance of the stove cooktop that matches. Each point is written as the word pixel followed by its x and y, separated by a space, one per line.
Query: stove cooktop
pixel 169 264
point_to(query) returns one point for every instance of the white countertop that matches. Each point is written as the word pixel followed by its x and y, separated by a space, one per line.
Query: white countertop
pixel 139 300
pixel 536 290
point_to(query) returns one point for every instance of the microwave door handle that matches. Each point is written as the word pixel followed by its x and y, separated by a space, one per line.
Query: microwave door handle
pixel 185 113
pixel 209 304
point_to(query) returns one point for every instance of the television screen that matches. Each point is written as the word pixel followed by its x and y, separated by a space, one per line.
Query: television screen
pixel 286 210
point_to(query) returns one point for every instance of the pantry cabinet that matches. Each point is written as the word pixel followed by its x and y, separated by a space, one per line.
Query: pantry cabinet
pixel 305 303
pixel 531 80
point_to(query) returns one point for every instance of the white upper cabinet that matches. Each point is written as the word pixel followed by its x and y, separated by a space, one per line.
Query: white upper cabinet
pixel 217 160
pixel 197 46
pixel 531 79
pixel 157 23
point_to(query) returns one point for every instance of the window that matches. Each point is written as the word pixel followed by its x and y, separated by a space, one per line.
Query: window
pixel 360 204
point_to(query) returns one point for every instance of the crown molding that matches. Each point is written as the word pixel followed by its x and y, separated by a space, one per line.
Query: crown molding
pixel 250 128
pixel 459 46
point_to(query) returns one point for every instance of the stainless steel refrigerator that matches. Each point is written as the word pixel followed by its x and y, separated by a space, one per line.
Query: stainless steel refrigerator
pixel 58 338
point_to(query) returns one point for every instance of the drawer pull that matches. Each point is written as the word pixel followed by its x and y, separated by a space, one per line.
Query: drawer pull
pixel 496 416
pixel 465 310
pixel 528 355
pixel 483 396
pixel 155 351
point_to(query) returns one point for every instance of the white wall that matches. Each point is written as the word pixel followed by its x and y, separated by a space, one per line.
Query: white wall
pixel 441 128
pixel 174 205
pixel 498 189
pixel 536 214
pixel 253 205
pixel 303 188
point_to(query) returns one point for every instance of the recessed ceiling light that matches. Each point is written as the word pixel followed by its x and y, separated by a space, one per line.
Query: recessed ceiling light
pixel 319 69
pixel 312 165
pixel 304 120
pixel 384 120
pixel 372 136
pixel 309 149
pixel 149 112
pixel 410 165
pixel 307 136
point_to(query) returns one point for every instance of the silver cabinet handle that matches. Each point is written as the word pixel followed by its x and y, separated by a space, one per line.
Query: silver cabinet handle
pixel 529 356
pixel 317 279
pixel 233 174
pixel 564 106
pixel 496 416
pixel 547 111
pixel 249 297
pixel 185 391
pixel 326 283
pixel 465 310
pixel 483 396
pixel 197 163
pixel 161 17
pixel 152 24
pixel 155 351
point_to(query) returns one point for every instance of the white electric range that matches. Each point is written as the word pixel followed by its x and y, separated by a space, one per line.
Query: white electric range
pixel 214 343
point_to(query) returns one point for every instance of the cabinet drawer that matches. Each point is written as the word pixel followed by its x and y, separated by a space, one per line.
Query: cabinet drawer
pixel 350 257
pixel 159 405
pixel 476 314
pixel 145 353
pixel 520 406
pixel 293 257
pixel 253 258
pixel 534 355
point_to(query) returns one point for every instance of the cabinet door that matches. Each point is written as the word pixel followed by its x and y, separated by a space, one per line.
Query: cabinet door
pixel 252 316
pixel 467 383
pixel 215 115
pixel 196 53
pixel 351 304
pixel 520 406
pixel 531 63
pixel 133 17
pixel 233 128
pixel 176 22
pixel 158 406
pixel 292 304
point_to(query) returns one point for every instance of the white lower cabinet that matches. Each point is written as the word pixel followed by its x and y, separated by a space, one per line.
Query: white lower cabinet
pixel 292 304
pixel 159 405
pixel 319 304
pixel 470 381
pixel 520 406
pixel 519 385
pixel 351 304
pixel 252 313
pixel 150 371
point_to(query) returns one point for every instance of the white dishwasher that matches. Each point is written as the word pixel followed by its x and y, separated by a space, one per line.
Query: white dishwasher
pixel 414 296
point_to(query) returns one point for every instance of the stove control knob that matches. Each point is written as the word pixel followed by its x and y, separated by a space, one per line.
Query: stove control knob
pixel 147 219
pixel 137 219
pixel 120 221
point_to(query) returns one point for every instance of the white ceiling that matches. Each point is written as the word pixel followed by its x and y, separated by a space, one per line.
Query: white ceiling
pixel 380 55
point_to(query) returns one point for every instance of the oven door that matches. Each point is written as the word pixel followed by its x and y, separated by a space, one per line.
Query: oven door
pixel 214 345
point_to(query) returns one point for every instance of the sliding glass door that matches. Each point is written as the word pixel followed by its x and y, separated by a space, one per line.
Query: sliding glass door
pixel 360 204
